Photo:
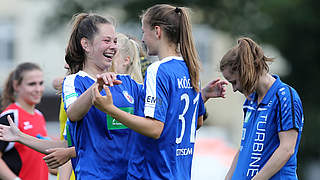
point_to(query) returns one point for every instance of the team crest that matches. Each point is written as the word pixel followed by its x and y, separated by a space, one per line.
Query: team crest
pixel 128 97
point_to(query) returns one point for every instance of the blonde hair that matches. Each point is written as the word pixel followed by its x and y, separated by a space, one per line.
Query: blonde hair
pixel 130 48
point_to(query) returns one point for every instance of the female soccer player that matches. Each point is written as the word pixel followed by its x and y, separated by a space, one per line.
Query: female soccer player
pixel 273 116
pixel 22 92
pixel 171 104
pixel 99 139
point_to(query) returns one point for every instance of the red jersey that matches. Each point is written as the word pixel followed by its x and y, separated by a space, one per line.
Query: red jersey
pixel 22 160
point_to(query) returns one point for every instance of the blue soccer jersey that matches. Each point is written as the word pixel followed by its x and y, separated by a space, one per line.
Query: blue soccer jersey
pixel 101 142
pixel 168 97
pixel 280 110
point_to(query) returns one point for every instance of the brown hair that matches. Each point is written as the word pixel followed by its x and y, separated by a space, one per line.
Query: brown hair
pixel 84 26
pixel 176 25
pixel 8 95
pixel 248 59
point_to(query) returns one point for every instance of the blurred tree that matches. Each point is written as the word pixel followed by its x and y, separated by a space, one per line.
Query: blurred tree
pixel 292 26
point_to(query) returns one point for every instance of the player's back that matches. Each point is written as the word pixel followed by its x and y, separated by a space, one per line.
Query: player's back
pixel 170 98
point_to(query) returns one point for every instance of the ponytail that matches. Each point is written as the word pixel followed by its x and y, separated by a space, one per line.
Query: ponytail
pixel 7 96
pixel 128 47
pixel 176 24
pixel 247 58
pixel 188 49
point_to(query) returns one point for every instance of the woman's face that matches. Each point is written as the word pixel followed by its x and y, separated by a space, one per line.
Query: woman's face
pixel 232 78
pixel 120 63
pixel 31 88
pixel 103 47
pixel 149 39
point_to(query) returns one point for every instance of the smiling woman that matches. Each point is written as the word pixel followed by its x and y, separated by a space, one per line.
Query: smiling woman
pixel 101 142
pixel 22 91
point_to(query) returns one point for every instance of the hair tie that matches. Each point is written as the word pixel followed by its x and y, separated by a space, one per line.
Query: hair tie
pixel 177 10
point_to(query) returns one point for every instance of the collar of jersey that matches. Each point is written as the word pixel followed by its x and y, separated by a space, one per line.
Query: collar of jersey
pixel 272 90
pixel 169 58
pixel 84 74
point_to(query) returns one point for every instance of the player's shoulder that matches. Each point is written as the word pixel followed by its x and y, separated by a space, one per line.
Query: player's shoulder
pixel 286 93
pixel 122 77
pixel 12 109
pixel 38 112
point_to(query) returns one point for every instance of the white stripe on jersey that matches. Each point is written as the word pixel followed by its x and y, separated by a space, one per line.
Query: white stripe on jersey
pixel 151 91
pixel 69 91
pixel 70 94
pixel 151 86
pixel 249 107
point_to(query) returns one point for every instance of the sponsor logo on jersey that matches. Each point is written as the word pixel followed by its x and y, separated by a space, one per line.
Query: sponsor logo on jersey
pixel 128 97
pixel 153 100
pixel 184 151
pixel 113 124
pixel 71 95
pixel 27 125
pixel 258 147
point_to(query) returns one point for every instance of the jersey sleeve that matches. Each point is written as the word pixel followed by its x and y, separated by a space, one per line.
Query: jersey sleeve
pixel 70 90
pixel 156 90
pixel 138 90
pixel 4 121
pixel 289 110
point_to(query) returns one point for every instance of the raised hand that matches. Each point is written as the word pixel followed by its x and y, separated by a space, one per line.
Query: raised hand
pixel 102 102
pixel 9 133
pixel 108 78
pixel 215 88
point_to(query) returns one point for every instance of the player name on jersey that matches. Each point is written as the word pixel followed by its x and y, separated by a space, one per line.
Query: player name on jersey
pixel 184 83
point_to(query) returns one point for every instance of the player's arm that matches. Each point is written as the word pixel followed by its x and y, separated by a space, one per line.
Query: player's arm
pixel 146 126
pixel 143 125
pixel 5 171
pixel 80 107
pixel 280 156
pixel 233 167
pixel 65 171
pixel 13 134
pixel 214 89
